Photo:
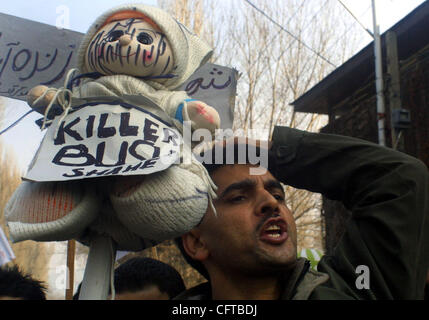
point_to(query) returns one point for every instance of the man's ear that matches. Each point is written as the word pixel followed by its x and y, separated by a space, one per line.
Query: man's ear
pixel 194 245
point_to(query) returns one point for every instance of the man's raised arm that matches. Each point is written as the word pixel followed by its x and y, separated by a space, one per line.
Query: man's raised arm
pixel 386 191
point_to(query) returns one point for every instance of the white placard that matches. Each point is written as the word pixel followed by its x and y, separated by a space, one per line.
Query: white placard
pixel 216 86
pixel 110 138
pixel 33 53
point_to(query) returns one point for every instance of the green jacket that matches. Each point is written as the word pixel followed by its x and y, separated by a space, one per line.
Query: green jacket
pixel 388 194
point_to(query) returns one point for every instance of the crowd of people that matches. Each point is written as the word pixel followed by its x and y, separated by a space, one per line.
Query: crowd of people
pixel 137 278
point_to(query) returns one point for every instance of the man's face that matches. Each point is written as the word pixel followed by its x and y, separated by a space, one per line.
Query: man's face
pixel 253 230
pixel 132 47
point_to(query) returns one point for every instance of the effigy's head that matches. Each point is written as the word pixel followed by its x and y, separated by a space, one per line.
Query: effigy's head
pixel 130 43
pixel 144 42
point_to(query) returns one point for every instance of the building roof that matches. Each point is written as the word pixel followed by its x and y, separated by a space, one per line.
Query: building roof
pixel 412 34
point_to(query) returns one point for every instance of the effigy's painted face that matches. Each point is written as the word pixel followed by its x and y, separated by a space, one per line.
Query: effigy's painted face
pixel 132 47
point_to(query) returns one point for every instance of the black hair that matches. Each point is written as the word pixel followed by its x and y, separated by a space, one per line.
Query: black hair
pixel 137 273
pixel 15 283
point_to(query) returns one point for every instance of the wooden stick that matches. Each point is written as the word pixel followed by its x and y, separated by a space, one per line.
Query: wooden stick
pixel 71 249
pixel 155 253
pixel 98 271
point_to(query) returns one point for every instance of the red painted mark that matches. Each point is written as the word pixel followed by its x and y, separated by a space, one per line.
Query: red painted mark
pixel 148 56
pixel 202 111
pixel 54 207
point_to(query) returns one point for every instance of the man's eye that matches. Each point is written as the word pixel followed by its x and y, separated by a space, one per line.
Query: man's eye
pixel 279 197
pixel 114 35
pixel 237 198
pixel 144 38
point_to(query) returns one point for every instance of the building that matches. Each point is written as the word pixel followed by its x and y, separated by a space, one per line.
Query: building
pixel 348 97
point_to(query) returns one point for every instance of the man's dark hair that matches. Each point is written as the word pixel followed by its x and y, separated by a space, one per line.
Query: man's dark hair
pixel 137 273
pixel 14 283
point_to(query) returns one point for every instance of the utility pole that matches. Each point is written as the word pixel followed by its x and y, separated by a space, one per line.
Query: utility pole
pixel 381 113
pixel 394 83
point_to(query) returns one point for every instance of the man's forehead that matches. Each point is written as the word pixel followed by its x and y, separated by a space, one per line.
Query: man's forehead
pixel 228 174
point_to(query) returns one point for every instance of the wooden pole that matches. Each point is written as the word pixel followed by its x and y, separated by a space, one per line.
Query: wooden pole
pixel 71 251
pixel 155 253
pixel 98 271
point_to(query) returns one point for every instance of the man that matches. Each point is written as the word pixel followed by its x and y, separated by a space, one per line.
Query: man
pixel 247 248
pixel 15 285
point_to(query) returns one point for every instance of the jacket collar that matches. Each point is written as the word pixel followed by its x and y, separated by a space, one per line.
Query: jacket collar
pixel 294 277
pixel 297 283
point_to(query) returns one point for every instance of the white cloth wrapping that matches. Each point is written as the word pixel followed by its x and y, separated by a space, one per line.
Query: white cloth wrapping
pixel 6 252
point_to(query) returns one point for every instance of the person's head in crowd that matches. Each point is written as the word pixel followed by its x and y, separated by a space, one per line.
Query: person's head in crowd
pixel 16 285
pixel 147 279
pixel 144 279
pixel 252 232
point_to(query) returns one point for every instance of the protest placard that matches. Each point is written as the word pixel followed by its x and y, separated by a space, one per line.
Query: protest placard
pixel 109 138
pixel 33 53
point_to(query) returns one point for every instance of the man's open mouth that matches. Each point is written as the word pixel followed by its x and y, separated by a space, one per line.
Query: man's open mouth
pixel 274 231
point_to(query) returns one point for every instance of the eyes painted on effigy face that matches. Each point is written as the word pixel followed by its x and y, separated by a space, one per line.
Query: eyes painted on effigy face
pixel 133 47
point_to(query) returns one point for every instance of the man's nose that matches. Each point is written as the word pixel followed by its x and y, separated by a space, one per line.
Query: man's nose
pixel 124 40
pixel 268 204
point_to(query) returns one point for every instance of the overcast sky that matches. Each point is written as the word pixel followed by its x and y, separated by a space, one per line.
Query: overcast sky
pixel 25 137
pixel 82 12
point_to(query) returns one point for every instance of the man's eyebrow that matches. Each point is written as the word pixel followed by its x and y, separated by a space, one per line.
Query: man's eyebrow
pixel 240 185
pixel 273 184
